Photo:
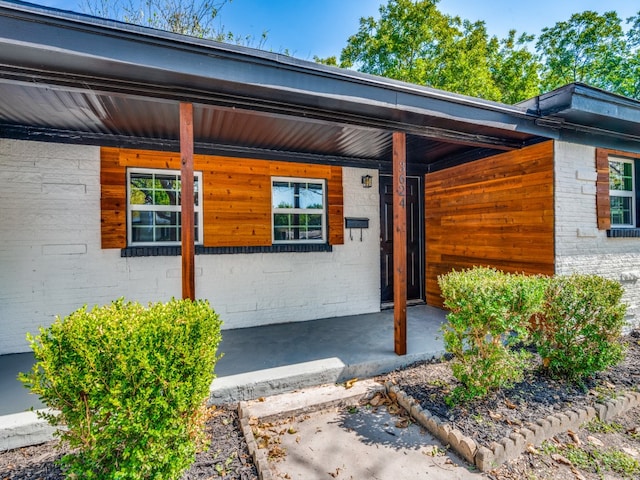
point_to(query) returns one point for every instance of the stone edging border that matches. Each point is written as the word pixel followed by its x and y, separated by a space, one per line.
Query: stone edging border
pixel 259 455
pixel 511 447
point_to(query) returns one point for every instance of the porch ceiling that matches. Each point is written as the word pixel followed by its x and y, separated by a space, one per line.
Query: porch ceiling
pixel 44 111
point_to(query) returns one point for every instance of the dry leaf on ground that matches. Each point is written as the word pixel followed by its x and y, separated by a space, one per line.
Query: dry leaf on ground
pixel 561 459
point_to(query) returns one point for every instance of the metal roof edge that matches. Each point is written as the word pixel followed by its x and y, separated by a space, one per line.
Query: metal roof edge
pixel 582 97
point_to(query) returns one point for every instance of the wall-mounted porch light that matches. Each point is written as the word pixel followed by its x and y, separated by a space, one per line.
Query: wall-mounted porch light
pixel 367 181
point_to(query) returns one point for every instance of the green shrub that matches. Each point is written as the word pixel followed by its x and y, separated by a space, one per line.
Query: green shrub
pixel 579 330
pixel 129 383
pixel 489 313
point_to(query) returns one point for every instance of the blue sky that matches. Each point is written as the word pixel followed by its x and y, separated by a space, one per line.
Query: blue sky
pixel 321 27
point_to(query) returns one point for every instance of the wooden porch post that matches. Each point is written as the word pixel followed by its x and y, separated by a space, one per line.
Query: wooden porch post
pixel 186 173
pixel 400 243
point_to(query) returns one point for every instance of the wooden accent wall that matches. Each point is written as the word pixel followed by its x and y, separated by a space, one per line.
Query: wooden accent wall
pixel 496 212
pixel 236 195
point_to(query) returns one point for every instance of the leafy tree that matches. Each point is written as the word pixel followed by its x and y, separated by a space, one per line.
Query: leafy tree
pixel 630 84
pixel 589 48
pixel 514 68
pixel 399 45
pixel 413 41
pixel 186 17
pixel 332 60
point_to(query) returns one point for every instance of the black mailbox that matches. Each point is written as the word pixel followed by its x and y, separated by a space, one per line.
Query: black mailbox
pixel 356 222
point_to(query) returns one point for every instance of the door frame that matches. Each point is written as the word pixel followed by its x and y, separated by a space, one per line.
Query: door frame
pixel 421 241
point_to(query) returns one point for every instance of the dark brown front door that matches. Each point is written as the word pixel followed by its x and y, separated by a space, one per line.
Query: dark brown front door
pixel 415 268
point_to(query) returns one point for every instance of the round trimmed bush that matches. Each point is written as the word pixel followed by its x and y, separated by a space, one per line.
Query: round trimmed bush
pixel 129 384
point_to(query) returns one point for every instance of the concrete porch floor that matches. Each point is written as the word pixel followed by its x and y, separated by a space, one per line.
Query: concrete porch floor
pixel 262 361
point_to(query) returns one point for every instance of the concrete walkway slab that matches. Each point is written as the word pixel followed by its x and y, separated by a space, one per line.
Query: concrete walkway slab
pixel 363 444
pixel 272 359
pixel 319 435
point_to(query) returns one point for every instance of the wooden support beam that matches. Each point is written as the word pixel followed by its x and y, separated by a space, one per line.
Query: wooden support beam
pixel 400 243
pixel 187 213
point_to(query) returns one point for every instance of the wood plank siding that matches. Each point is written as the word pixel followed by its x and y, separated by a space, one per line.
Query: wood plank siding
pixel 236 195
pixel 603 203
pixel 496 212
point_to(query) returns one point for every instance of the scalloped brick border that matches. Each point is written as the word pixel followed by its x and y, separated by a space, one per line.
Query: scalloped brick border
pixel 511 447
pixel 259 456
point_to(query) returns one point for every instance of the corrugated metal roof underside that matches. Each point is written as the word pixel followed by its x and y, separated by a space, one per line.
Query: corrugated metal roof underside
pixel 126 117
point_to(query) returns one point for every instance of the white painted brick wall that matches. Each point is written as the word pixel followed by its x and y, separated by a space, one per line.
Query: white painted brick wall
pixel 51 262
pixel 580 246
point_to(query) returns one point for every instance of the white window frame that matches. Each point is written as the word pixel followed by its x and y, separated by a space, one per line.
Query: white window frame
pixel 624 193
pixel 311 211
pixel 197 207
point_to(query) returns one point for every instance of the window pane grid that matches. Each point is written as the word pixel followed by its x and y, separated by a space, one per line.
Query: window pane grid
pixel 298 207
pixel 622 192
pixel 621 176
pixel 154 207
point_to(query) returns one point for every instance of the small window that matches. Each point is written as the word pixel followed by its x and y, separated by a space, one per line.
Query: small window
pixel 298 209
pixel 154 207
pixel 622 192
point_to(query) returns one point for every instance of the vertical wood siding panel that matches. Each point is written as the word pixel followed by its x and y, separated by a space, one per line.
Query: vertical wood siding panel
pixel 603 205
pixel 336 207
pixel 496 212
pixel 113 193
pixel 236 195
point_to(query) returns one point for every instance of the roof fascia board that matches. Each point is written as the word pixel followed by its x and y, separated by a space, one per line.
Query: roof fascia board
pixel 149 36
pixel 605 104
pixel 578 97
pixel 598 137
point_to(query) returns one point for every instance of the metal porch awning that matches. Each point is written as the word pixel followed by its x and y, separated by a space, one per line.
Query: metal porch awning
pixel 76 78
